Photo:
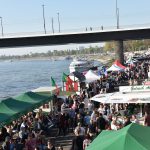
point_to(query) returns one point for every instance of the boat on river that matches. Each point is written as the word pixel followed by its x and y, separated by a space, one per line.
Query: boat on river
pixel 80 65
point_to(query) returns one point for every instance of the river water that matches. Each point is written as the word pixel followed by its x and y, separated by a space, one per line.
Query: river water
pixel 20 76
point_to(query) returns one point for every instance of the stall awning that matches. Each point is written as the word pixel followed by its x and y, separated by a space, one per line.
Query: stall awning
pixel 91 76
pixel 13 108
pixel 118 97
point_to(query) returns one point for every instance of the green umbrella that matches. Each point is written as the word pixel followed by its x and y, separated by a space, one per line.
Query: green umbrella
pixel 131 137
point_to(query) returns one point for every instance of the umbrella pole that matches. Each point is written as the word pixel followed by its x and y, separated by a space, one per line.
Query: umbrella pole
pixel 141 110
pixel 116 107
pixel 110 108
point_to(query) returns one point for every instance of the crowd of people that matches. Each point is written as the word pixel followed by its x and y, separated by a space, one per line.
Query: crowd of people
pixel 77 114
pixel 29 132
pixel 88 122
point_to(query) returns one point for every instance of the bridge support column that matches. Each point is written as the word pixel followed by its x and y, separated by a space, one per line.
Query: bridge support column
pixel 119 51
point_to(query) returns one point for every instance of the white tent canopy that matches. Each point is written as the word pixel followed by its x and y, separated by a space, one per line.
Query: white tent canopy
pixel 91 76
pixel 114 68
pixel 118 97
pixel 131 61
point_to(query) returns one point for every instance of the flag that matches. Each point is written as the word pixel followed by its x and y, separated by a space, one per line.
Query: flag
pixel 99 73
pixel 64 77
pixel 55 85
pixel 68 82
pixel 105 72
pixel 53 82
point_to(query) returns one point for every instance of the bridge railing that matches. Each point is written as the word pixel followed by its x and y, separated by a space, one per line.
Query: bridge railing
pixel 76 30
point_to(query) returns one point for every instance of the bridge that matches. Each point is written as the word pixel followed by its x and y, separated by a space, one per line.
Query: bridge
pixel 118 35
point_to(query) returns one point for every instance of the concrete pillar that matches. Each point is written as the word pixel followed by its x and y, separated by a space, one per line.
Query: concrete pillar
pixel 119 51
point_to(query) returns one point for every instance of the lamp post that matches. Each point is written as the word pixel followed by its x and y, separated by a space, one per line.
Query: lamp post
pixel 117 14
pixel 2 26
pixel 58 22
pixel 44 19
pixel 52 25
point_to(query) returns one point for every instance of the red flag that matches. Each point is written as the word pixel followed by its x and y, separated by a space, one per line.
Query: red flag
pixel 69 83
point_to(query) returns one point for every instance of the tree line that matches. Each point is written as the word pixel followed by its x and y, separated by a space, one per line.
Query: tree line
pixel 136 45
pixel 132 45
pixel 49 54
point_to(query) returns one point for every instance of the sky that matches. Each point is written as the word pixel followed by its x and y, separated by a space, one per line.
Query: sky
pixel 26 16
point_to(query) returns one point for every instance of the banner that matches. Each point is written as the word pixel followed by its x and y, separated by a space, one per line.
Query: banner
pixel 140 88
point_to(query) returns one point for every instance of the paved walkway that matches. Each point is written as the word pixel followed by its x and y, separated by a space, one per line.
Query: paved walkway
pixel 65 141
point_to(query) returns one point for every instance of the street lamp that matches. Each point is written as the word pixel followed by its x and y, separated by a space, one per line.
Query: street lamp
pixel 52 25
pixel 44 19
pixel 2 26
pixel 117 14
pixel 58 22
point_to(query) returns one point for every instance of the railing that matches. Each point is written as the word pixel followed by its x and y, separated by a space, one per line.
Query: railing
pixel 79 30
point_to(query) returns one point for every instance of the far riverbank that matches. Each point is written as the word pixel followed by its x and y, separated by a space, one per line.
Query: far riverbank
pixel 103 58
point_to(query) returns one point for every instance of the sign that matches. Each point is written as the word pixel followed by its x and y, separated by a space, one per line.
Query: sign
pixel 140 88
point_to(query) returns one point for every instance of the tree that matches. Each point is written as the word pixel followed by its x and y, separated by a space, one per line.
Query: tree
pixel 109 46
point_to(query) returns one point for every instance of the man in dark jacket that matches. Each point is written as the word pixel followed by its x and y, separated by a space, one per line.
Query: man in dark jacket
pixel 101 122
pixel 77 142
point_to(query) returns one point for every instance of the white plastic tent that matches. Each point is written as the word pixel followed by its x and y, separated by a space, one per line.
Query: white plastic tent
pixel 114 68
pixel 91 76
pixel 118 97
pixel 102 98
pixel 131 61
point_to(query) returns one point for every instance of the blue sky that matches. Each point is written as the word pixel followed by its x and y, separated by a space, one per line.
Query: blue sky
pixel 21 16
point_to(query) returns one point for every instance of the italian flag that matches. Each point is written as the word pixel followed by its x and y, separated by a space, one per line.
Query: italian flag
pixel 55 85
pixel 64 77
pixel 68 81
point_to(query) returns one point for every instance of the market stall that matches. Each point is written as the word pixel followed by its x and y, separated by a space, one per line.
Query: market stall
pixel 126 94
pixel 91 76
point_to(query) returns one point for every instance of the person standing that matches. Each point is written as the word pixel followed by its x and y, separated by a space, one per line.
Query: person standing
pixel 77 142
pixel 31 142
pixel 101 123
pixel 127 121
pixel 50 145
pixel 147 119
pixel 86 141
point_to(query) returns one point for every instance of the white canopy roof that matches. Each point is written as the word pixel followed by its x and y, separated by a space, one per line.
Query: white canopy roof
pixel 91 76
pixel 118 97
pixel 114 68
pixel 51 89
pixel 131 61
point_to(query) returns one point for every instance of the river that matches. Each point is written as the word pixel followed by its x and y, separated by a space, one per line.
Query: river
pixel 20 76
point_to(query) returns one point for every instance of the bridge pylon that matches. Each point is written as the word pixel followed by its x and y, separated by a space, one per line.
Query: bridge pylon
pixel 119 51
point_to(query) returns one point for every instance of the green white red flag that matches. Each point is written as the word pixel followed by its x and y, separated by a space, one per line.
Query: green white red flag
pixel 69 82
pixel 53 83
